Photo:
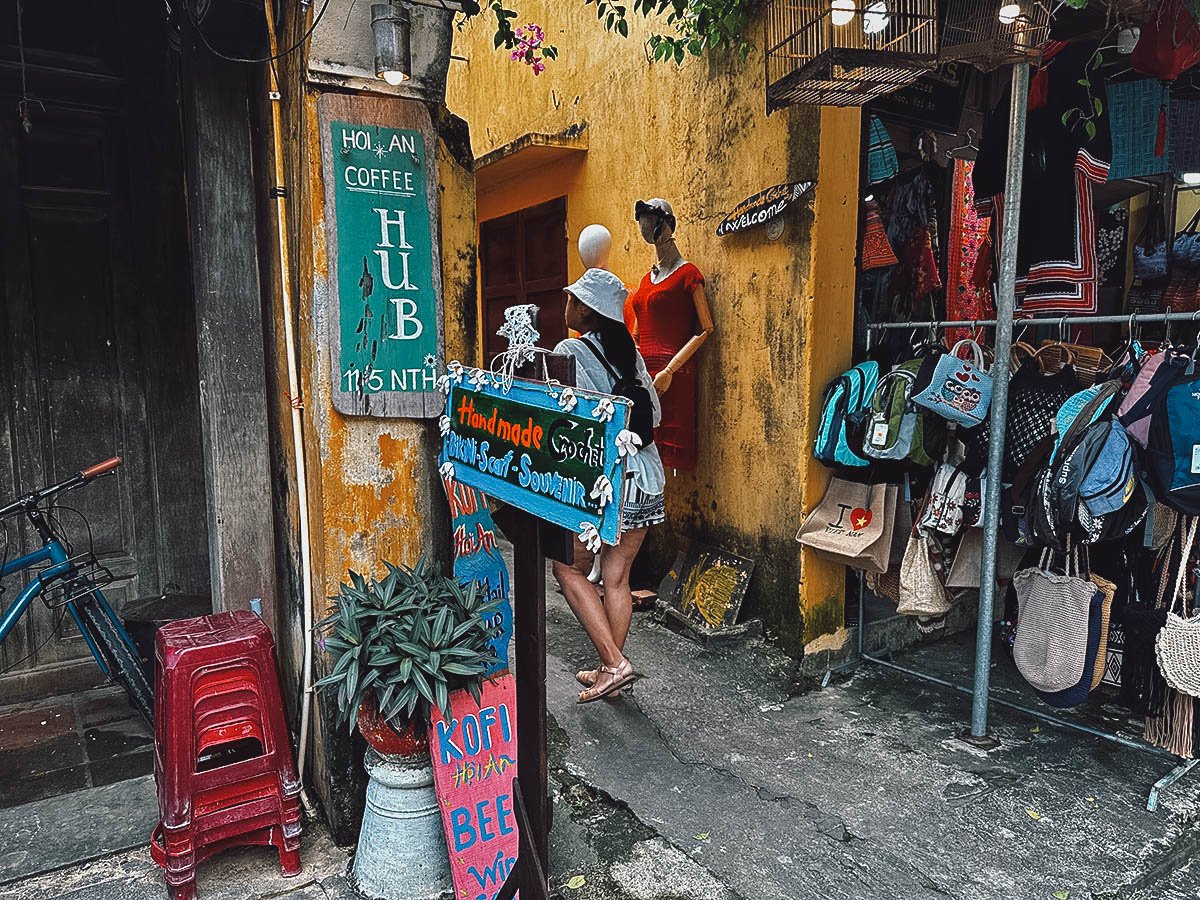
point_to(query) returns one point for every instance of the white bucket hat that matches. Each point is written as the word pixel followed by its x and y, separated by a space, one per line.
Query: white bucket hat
pixel 601 291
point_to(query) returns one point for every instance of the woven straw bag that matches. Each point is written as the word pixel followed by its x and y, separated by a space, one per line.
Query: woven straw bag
pixel 1090 362
pixel 1177 646
pixel 1110 590
pixel 1051 643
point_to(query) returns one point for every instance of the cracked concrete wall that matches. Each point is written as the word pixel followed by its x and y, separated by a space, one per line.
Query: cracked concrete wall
pixel 697 135
pixel 373 488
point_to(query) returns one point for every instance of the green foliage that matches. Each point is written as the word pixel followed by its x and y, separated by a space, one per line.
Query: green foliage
pixel 1085 115
pixel 413 637
pixel 694 26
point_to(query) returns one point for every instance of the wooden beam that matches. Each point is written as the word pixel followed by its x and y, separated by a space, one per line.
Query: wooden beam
pixel 229 328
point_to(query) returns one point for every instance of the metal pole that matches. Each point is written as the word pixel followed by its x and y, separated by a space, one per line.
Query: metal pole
pixel 1005 301
pixel 1134 319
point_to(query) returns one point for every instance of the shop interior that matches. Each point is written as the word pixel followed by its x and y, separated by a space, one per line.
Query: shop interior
pixel 1107 291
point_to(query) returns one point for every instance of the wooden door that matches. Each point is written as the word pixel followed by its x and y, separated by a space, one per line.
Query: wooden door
pixel 85 225
pixel 523 259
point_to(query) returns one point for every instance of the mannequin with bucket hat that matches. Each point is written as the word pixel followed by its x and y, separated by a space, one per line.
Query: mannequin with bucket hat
pixel 605 358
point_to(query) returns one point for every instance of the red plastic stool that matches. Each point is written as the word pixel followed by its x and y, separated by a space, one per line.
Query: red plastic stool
pixel 223 761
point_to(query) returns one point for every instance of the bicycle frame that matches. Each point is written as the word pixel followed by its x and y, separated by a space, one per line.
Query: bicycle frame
pixel 59 566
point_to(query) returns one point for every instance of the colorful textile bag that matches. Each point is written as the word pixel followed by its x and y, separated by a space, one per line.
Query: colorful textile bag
pixel 877 250
pixel 852 525
pixel 954 388
pixel 1150 250
pixel 1051 643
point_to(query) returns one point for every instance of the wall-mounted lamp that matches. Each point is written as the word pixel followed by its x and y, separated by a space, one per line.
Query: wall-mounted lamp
pixel 392 27
pixel 1191 179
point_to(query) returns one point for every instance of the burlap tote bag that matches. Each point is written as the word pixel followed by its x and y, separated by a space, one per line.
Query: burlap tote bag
pixel 1178 644
pixel 1051 643
pixel 921 590
pixel 965 570
pixel 852 525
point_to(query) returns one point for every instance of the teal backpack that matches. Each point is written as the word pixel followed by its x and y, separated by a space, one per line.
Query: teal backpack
pixel 844 410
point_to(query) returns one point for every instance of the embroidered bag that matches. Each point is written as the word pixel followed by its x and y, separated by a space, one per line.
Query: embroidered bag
pixel 954 388
pixel 1150 249
pixel 877 250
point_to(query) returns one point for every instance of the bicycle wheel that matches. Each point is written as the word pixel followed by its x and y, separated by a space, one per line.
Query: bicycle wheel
pixel 123 664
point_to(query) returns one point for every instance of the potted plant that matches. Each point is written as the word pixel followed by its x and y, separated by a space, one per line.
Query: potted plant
pixel 399 646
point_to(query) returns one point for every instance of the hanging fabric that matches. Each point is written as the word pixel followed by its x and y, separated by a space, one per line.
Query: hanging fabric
pixel 1183 135
pixel 882 163
pixel 1169 42
pixel 968 237
pixel 1140 139
pixel 1067 152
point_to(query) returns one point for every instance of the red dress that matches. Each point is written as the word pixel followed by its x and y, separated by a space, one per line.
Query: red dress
pixel 665 314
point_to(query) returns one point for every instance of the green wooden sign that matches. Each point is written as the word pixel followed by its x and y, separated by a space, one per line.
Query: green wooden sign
pixel 558 453
pixel 384 270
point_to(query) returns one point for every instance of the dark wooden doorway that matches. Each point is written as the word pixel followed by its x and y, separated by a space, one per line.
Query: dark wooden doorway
pixel 97 327
pixel 523 259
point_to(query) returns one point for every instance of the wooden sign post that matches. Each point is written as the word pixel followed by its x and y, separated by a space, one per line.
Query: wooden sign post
pixel 549 452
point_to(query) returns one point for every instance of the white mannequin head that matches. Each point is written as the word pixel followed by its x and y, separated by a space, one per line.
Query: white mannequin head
pixel 595 245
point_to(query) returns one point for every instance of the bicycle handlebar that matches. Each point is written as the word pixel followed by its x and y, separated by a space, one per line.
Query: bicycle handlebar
pixel 100 468
pixel 30 501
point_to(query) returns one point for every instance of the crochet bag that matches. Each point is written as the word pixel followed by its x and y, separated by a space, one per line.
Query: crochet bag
pixel 1177 646
pixel 1051 643
pixel 954 388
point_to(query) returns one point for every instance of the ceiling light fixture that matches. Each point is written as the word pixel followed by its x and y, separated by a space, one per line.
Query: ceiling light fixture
pixel 392 28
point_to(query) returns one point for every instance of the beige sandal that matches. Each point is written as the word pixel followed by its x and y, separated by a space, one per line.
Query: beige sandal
pixel 619 677
pixel 588 677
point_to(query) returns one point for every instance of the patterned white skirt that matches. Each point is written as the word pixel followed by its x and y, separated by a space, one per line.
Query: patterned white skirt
pixel 639 509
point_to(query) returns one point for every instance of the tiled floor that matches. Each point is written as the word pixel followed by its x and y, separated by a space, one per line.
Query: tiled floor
pixel 71 742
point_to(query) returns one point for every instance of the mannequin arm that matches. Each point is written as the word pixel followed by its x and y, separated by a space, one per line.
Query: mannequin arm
pixel 662 381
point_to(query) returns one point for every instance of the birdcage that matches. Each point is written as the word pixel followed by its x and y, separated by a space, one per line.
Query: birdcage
pixel 993 33
pixel 846 52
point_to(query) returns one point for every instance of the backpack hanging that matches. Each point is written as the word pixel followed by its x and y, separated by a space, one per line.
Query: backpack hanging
pixel 844 410
pixel 1172 457
pixel 1157 372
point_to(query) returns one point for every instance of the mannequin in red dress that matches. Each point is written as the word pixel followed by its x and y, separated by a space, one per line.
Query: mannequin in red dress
pixel 670 319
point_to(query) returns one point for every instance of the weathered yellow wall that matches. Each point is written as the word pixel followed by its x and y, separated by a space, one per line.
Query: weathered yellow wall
pixel 697 135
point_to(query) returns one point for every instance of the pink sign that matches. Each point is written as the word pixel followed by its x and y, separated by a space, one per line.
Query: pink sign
pixel 474 763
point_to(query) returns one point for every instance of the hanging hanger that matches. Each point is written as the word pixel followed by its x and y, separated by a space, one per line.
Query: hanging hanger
pixel 969 147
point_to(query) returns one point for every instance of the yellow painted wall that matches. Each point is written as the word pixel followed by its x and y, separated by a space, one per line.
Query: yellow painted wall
pixel 698 135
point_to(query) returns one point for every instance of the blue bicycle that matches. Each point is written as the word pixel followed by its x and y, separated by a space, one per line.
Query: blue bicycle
pixel 73 583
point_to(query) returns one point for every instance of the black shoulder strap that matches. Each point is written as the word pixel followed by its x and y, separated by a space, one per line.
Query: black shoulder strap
pixel 604 362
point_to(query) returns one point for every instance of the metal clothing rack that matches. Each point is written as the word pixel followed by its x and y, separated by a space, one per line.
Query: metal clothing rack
pixel 1133 320
pixel 1003 323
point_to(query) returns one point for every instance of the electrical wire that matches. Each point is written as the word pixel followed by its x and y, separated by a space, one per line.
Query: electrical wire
pixel 191 14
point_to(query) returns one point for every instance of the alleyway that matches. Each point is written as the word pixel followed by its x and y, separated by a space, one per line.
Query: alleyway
pixel 711 782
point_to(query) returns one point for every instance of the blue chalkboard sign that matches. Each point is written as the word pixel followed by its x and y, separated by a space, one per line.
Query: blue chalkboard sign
pixel 556 452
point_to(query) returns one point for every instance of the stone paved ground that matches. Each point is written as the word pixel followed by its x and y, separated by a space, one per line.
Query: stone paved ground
pixel 712 781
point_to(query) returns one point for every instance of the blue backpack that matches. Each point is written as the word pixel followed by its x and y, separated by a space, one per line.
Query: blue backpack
pixel 1172 457
pixel 844 410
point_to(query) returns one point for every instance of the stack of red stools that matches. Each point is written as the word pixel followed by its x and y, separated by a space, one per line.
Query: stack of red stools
pixel 223 760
